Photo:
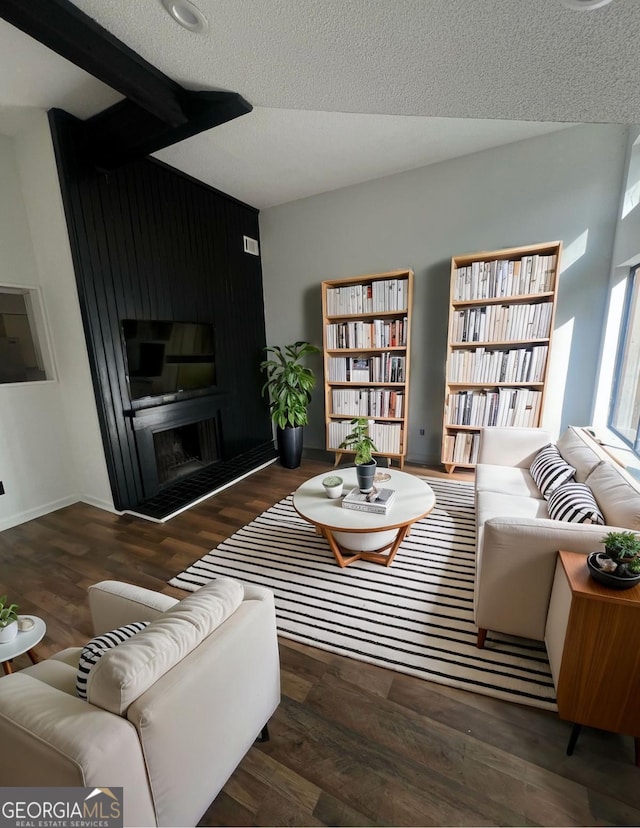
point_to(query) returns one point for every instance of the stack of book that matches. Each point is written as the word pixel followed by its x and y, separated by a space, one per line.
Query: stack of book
pixel 379 333
pixel 386 436
pixel 381 295
pixel 378 502
pixel 486 365
pixel 505 277
pixel 504 407
pixel 502 323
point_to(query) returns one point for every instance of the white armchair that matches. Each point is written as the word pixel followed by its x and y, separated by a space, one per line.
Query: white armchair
pixel 170 712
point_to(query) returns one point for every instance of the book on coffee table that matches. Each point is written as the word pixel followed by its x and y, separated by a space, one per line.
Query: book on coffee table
pixel 355 499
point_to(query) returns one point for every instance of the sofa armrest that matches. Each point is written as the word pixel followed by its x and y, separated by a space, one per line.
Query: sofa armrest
pixel 515 569
pixel 114 603
pixel 51 738
pixel 511 446
pixel 253 592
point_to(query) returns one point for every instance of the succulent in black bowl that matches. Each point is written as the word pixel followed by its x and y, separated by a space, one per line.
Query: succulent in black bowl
pixel 619 566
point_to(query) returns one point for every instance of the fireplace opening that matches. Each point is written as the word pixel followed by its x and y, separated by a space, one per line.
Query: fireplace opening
pixel 185 449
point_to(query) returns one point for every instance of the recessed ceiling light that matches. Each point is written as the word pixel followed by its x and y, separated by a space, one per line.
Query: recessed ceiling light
pixel 585 5
pixel 187 15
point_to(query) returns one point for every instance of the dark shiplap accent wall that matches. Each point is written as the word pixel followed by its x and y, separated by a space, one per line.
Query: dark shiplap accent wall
pixel 151 243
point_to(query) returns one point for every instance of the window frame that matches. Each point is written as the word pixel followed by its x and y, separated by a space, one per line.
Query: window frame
pixel 625 323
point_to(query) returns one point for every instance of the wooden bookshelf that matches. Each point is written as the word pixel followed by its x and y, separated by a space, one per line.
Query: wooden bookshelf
pixel 501 317
pixel 367 332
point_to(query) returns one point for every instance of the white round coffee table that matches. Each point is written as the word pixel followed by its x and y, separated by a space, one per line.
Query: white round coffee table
pixel 24 642
pixel 355 535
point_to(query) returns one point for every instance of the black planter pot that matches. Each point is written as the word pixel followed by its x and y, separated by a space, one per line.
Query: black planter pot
pixel 290 446
pixel 365 473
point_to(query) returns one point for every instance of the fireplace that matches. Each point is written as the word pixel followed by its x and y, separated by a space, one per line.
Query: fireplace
pixel 185 450
pixel 177 440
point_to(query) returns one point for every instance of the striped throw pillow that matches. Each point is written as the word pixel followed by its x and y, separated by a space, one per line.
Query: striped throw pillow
pixel 574 503
pixel 550 470
pixel 97 647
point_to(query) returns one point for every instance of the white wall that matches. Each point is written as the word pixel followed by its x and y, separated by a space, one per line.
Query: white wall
pixel 559 186
pixel 50 447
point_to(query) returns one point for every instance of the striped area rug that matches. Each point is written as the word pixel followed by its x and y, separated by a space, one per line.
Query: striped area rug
pixel 415 616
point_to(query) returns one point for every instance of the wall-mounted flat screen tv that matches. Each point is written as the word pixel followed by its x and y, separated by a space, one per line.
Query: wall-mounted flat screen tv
pixel 166 358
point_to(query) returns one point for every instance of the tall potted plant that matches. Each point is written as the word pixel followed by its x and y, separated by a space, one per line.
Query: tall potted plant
pixel 360 442
pixel 289 384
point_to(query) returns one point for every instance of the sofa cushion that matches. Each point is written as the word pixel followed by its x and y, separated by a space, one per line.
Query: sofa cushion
pixel 127 671
pixel 550 470
pixel 55 673
pixel 93 651
pixel 617 497
pixel 510 480
pixel 578 454
pixel 574 503
pixel 494 504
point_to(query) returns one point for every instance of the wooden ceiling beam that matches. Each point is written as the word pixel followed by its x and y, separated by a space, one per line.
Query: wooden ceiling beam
pixel 125 132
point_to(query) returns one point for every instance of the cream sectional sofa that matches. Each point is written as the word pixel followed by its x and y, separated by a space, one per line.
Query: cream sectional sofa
pixel 517 542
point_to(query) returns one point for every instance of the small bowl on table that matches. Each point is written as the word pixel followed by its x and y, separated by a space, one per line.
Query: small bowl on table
pixel 333 486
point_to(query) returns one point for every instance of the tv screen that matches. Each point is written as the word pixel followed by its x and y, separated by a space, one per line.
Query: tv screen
pixel 168 357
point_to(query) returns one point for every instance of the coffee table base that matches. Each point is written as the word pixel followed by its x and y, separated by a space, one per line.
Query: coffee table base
pixel 344 556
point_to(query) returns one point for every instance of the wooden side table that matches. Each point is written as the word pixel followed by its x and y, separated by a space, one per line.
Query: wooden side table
pixel 592 637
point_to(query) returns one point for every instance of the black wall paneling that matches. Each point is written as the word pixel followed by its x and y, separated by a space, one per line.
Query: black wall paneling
pixel 150 243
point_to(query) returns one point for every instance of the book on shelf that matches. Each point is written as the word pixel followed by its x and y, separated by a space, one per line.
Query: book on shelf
pixel 359 370
pixel 380 502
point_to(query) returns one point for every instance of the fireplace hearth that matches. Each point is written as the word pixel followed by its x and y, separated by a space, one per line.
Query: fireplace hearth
pixel 177 440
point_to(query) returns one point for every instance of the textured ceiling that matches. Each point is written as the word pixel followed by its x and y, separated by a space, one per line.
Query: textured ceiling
pixel 511 59
pixel 305 65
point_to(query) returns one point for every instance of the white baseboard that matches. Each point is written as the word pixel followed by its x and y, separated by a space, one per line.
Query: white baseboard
pixel 105 505
pixel 45 509
pixel 36 512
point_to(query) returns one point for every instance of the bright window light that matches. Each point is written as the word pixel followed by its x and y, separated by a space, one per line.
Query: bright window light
pixel 625 399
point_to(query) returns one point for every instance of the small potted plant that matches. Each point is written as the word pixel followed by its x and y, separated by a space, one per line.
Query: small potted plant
pixel 360 442
pixel 8 620
pixel 333 486
pixel 619 566
pixel 289 384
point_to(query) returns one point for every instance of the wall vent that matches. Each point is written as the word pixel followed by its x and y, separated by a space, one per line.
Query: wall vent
pixel 251 246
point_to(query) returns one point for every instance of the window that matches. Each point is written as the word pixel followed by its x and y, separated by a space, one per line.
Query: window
pixel 24 352
pixel 624 414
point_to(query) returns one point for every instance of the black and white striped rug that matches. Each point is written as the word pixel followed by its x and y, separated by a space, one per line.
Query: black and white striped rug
pixel 415 616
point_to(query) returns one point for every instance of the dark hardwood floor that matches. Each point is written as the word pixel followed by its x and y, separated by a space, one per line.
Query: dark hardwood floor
pixel 351 744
